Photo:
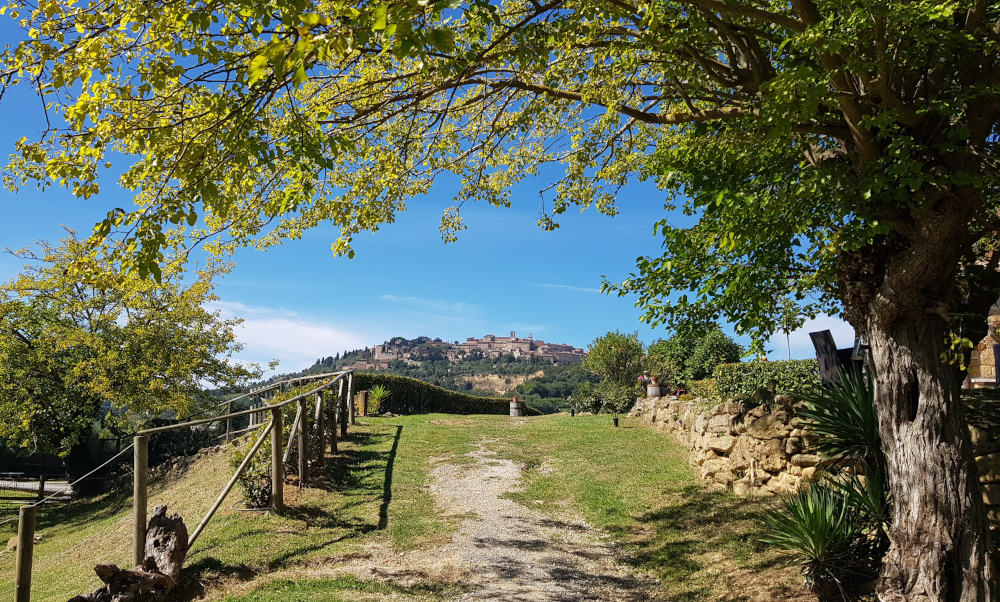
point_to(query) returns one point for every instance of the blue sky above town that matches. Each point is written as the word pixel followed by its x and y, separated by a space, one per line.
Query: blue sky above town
pixel 504 274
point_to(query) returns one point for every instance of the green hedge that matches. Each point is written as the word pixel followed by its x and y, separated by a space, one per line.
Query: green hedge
pixel 412 396
pixel 706 388
pixel 794 376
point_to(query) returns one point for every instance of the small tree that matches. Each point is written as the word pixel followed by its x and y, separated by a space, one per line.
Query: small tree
pixel 616 357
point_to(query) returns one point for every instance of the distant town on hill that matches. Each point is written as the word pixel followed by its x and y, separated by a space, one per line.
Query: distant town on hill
pixel 491 365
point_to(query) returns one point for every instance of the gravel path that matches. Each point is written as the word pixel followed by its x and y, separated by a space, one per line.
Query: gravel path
pixel 502 551
pixel 514 553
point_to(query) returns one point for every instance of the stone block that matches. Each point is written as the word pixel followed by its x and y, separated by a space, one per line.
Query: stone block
pixel 991 494
pixel 767 455
pixel 988 468
pixel 725 477
pixel 784 402
pixel 722 444
pixel 809 473
pixel 720 424
pixel 795 470
pixel 797 433
pixel 758 412
pixel 769 427
pixel 700 423
pixel 716 465
pixel 742 487
pixel 805 460
pixel 793 445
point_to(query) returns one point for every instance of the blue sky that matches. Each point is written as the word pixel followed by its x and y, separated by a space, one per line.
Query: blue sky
pixel 504 274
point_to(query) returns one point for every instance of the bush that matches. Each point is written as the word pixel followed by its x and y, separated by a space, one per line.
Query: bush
pixel 824 534
pixel 844 417
pixel 745 378
pixel 703 388
pixel 411 396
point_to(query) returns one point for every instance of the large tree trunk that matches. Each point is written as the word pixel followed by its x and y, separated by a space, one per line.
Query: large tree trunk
pixel 898 290
pixel 941 548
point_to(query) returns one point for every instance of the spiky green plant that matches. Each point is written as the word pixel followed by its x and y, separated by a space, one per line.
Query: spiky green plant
pixel 844 418
pixel 376 395
pixel 822 533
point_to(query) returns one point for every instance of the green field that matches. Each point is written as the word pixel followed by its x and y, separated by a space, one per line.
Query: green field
pixel 632 481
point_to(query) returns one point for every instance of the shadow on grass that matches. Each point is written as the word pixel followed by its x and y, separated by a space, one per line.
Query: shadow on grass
pixel 681 540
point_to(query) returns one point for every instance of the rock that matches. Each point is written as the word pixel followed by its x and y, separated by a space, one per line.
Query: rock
pixel 700 423
pixel 12 543
pixel 991 494
pixel 767 455
pixel 988 468
pixel 795 470
pixel 769 427
pixel 785 402
pixel 717 488
pixel 796 422
pixel 742 487
pixel 716 465
pixel 797 432
pixel 725 477
pixel 720 424
pixel 809 473
pixel 733 407
pixel 793 445
pixel 758 412
pixel 722 444
pixel 805 460
pixel 982 442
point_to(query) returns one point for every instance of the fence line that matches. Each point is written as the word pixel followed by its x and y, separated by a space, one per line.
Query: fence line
pixel 344 415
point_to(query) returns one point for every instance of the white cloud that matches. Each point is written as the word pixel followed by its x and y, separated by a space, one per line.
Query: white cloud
pixel 801 344
pixel 431 304
pixel 272 333
pixel 567 287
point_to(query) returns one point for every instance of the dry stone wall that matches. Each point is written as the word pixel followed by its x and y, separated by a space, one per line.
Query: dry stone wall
pixel 767 452
pixel 759 451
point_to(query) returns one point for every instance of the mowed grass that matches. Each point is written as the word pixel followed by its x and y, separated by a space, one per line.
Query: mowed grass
pixel 633 482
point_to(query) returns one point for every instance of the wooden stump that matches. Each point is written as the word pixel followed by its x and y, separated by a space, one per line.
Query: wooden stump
pixel 166 547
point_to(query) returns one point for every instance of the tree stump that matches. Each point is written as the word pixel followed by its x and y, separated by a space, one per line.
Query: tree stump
pixel 166 547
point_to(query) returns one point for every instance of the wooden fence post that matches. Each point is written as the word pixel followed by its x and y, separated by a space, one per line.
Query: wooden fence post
pixel 350 397
pixel 320 428
pixel 277 467
pixel 303 443
pixel 25 551
pixel 229 422
pixel 342 413
pixel 140 483
pixel 335 409
pixel 41 487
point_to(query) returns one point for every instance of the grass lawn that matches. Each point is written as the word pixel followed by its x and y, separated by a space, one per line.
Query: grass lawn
pixel 633 482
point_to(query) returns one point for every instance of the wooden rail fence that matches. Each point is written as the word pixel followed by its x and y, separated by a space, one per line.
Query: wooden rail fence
pixel 342 410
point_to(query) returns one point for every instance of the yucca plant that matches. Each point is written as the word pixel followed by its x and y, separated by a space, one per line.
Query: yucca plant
pixel 377 395
pixel 844 418
pixel 822 533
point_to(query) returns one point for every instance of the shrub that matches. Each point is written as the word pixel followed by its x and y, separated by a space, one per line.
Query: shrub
pixel 411 396
pixel 822 533
pixel 844 417
pixel 745 378
pixel 703 388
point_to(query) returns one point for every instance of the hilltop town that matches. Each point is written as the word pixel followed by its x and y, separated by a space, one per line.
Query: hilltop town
pixel 413 352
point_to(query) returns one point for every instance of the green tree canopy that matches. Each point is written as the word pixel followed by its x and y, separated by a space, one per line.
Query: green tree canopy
pixel 67 349
pixel 616 357
pixel 840 154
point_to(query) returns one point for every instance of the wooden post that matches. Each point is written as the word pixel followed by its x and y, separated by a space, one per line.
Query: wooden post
pixel 320 428
pixel 25 551
pixel 335 409
pixel 342 407
pixel 41 487
pixel 229 487
pixel 303 443
pixel 350 397
pixel 140 483
pixel 277 467
pixel 229 422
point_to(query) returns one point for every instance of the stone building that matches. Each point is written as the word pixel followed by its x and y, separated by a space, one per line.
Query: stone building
pixel 982 364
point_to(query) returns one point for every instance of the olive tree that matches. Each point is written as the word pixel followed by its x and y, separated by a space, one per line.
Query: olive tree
pixel 839 154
